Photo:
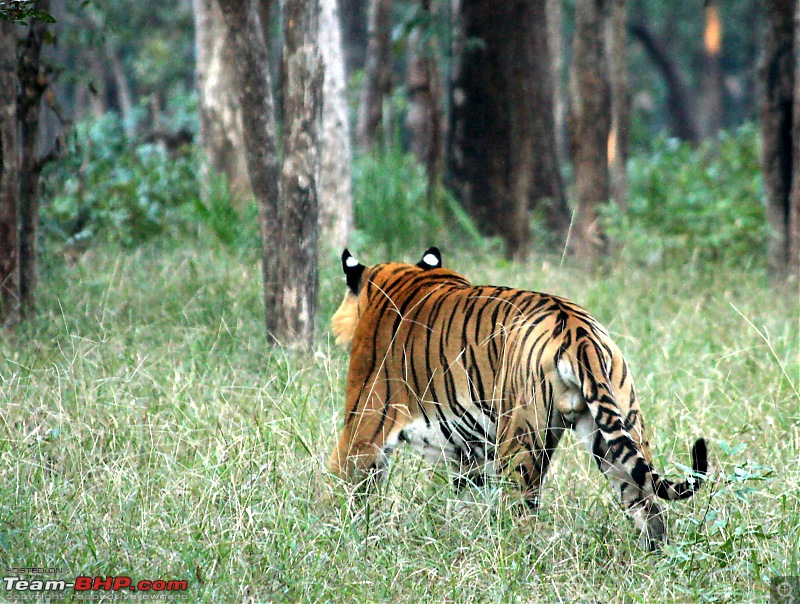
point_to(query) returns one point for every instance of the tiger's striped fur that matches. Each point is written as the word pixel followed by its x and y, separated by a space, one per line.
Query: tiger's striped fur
pixel 489 378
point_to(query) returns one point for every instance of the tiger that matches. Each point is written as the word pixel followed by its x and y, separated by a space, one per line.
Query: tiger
pixel 487 379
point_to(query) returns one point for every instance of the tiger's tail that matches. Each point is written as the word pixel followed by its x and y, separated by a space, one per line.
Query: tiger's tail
pixel 593 379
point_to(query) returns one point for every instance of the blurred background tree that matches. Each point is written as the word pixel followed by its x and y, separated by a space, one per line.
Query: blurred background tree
pixel 457 113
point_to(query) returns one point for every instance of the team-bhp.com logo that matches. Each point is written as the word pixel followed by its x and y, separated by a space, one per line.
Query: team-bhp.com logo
pixel 91 584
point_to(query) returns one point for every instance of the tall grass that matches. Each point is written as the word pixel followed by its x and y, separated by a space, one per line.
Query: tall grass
pixel 147 428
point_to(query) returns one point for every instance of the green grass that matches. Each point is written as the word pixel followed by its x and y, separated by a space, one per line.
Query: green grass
pixel 146 428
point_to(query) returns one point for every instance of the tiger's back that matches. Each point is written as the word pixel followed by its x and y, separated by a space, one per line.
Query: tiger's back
pixel 488 378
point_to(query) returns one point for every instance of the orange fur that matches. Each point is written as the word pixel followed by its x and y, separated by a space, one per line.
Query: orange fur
pixel 344 320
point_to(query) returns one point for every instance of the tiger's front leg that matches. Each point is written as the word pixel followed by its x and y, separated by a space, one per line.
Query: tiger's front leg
pixel 369 437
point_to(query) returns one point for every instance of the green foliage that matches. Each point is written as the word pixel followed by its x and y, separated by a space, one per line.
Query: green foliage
pixel 704 203
pixel 20 10
pixel 108 188
pixel 393 208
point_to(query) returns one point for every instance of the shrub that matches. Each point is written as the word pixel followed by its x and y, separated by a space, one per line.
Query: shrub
pixel 394 211
pixel 111 189
pixel 701 203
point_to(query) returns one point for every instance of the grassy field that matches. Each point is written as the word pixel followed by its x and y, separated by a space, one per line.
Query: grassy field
pixel 147 429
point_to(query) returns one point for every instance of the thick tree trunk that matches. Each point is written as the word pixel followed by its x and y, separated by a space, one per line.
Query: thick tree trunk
pixel 776 127
pixel 335 194
pixel 682 121
pixel 590 122
pixel 425 119
pixel 502 148
pixel 302 104
pixel 261 152
pixel 33 83
pixel 221 134
pixel 620 102
pixel 9 173
pixel 711 96
pixel 377 73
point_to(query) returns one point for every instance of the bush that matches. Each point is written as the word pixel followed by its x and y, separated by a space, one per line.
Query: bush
pixel 394 212
pixel 701 203
pixel 111 189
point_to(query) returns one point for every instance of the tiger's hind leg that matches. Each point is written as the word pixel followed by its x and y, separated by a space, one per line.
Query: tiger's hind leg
pixel 527 457
pixel 642 508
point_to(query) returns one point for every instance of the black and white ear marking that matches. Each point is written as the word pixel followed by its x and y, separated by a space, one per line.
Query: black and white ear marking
pixel 432 258
pixel 353 270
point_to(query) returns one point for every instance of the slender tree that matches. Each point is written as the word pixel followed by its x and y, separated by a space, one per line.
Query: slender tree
pixel 9 175
pixel 261 151
pixel 425 119
pixel 34 81
pixel 711 87
pixel 683 122
pixel 793 227
pixel 589 128
pixel 221 134
pixel 779 86
pixel 302 105
pixel 335 192
pixel 377 73
pixel 616 46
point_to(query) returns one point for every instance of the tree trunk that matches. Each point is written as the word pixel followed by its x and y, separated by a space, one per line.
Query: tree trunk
pixel 33 83
pixel 547 192
pixel 335 194
pixel 353 21
pixel 682 121
pixel 221 134
pixel 502 147
pixel 620 102
pixel 777 73
pixel 261 152
pixel 424 119
pixel 302 104
pixel 711 99
pixel 589 127
pixel 9 172
pixel 377 73
pixel 555 35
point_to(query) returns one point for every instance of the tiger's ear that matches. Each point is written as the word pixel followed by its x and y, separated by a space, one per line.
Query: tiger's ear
pixel 353 270
pixel 432 258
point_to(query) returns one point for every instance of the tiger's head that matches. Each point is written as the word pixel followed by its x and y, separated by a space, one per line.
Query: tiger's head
pixel 356 276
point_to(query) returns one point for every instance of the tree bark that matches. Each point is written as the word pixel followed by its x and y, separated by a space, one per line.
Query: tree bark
pixel 424 118
pixel 620 102
pixel 9 175
pixel 377 73
pixel 555 34
pixel 589 128
pixel 33 80
pixel 302 104
pixel 261 153
pixel 711 96
pixel 502 148
pixel 335 191
pixel 682 121
pixel 547 192
pixel 221 135
pixel 778 77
